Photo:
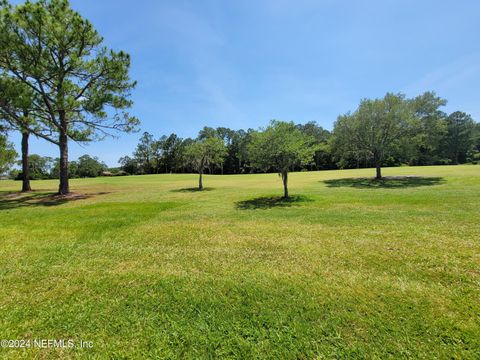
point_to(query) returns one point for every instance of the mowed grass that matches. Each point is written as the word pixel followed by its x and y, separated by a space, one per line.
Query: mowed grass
pixel 147 267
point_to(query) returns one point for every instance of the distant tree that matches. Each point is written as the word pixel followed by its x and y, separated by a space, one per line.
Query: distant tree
pixel 477 136
pixel 207 132
pixel 72 169
pixel 88 166
pixel 171 146
pixel 145 153
pixel 158 155
pixel 129 165
pixel 373 130
pixel 460 137
pixel 280 147
pixel 77 82
pixel 7 154
pixel 476 150
pixel 203 153
pixel 429 128
pixel 322 158
pixel 39 167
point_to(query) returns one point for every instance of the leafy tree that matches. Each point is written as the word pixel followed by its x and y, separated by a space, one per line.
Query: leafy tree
pixel 207 132
pixel 7 154
pixel 88 166
pixel 280 147
pixel 203 153
pixel 429 128
pixel 72 169
pixel 460 137
pixel 145 153
pixel 158 157
pixel 77 82
pixel 171 147
pixel 373 130
pixel 40 167
pixel 322 157
pixel 129 165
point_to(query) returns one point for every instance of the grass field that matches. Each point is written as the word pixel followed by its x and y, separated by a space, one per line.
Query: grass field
pixel 147 267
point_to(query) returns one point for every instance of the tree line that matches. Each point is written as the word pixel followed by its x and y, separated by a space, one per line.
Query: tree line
pixel 390 131
pixel 45 167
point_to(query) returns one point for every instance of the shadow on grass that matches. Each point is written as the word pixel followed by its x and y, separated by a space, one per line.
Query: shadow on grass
pixel 268 202
pixel 388 182
pixel 36 199
pixel 193 189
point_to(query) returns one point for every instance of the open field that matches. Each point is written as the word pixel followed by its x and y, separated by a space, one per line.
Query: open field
pixel 145 266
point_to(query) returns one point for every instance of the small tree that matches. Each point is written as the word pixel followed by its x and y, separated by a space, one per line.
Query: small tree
pixel 7 154
pixel 81 88
pixel 280 147
pixel 204 153
pixel 373 130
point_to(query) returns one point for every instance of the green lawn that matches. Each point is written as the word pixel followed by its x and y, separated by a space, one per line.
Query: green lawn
pixel 146 267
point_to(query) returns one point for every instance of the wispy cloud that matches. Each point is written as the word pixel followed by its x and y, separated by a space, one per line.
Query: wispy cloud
pixel 449 76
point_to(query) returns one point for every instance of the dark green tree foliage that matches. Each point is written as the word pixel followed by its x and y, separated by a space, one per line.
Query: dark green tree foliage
pixel 203 153
pixel 129 165
pixel 7 154
pixel 428 130
pixel 76 80
pixel 88 166
pixel 72 169
pixel 281 147
pixel 476 149
pixel 145 153
pixel 322 158
pixel 171 150
pixel 459 141
pixel 40 167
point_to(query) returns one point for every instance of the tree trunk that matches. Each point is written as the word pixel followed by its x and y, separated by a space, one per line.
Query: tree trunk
pixel 200 180
pixel 379 172
pixel 64 187
pixel 25 167
pixel 285 184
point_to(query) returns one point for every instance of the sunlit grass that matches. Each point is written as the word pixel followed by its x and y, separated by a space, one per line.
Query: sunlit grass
pixel 145 266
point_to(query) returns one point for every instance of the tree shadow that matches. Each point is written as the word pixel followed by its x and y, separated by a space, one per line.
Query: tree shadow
pixel 268 202
pixel 193 189
pixel 16 200
pixel 388 182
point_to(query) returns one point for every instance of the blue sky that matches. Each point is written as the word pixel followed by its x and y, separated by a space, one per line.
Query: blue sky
pixel 241 63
